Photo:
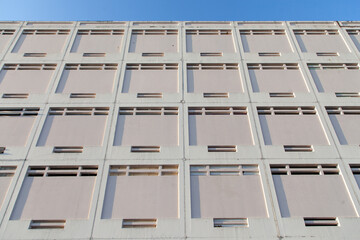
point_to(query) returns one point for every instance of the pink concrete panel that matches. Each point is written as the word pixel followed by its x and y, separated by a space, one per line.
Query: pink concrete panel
pixel 292 130
pixel 277 81
pixel 227 197
pixel 86 81
pixel 220 130
pixel 141 197
pixel 73 131
pixel 336 80
pixel 214 81
pixel 46 198
pixel 266 43
pixel 25 81
pixel 154 43
pixel 313 196
pixel 347 128
pixel 151 81
pixel 4 187
pixel 147 130
pixel 97 43
pixel 210 43
pixel 40 44
pixel 15 131
pixel 4 40
pixel 321 43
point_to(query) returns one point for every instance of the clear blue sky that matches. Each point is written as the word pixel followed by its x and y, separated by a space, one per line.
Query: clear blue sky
pixel 157 10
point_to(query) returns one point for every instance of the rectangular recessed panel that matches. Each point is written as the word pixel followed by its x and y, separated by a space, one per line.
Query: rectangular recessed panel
pixel 41 41
pixel 5 36
pixel 16 125
pixel 214 79
pixel 277 42
pixel 320 41
pixel 335 77
pixel 98 41
pixel 226 191
pixel 210 42
pixel 72 127
pixel 149 79
pixel 345 123
pixel 291 126
pixel 154 41
pixel 277 79
pixel 22 79
pixel 55 193
pixel 219 126
pixel 87 79
pixel 305 190
pixel 147 126
pixel 6 175
pixel 156 194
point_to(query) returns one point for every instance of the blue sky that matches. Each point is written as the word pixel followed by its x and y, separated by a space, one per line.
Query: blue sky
pixel 162 10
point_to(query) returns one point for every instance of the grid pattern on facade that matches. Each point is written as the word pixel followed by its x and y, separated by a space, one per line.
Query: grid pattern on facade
pixel 179 130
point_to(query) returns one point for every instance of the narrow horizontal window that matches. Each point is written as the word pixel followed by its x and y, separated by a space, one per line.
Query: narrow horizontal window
pixel 29 67
pixel 47 224
pixel 7 171
pixel 327 54
pixel 79 111
pixel 91 66
pixel 62 171
pixel 145 149
pixel 226 170
pixel 344 110
pixel 287 110
pixel 321 222
pixel 15 95
pixel 139 223
pixel 298 148
pixel 230 222
pixel 217 110
pixel 151 66
pixel 7 31
pixel 209 32
pixel 46 32
pixel 212 66
pixel 155 32
pixel 273 66
pixel 305 169
pixel 316 32
pixel 101 32
pixel 333 66
pixel 29 111
pixel 143 170
pixel 263 32
pixel 148 111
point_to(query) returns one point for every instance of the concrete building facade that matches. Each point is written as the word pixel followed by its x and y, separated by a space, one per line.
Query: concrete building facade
pixel 179 130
